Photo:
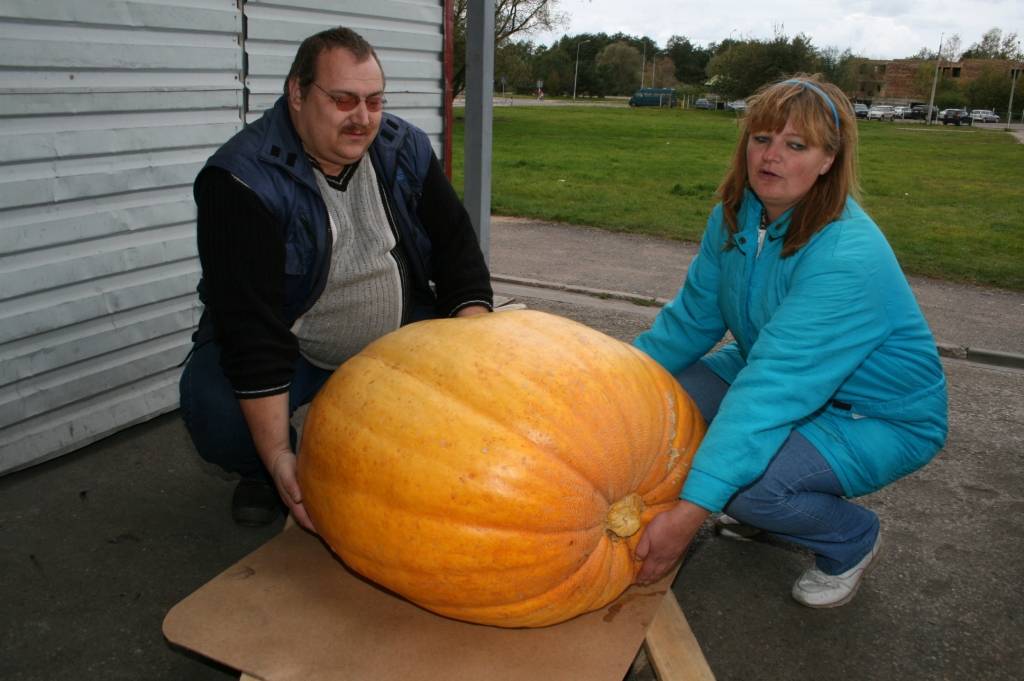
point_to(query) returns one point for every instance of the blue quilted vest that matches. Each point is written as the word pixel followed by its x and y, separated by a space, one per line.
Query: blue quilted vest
pixel 268 157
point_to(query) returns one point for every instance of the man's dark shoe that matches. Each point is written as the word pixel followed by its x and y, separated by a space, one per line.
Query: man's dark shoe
pixel 255 503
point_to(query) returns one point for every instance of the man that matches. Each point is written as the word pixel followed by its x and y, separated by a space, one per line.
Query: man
pixel 322 226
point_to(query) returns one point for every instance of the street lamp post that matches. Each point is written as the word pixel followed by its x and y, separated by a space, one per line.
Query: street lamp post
pixel 1009 107
pixel 577 73
pixel 935 81
pixel 643 67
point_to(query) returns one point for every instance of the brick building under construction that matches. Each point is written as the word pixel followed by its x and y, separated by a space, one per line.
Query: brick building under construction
pixel 908 81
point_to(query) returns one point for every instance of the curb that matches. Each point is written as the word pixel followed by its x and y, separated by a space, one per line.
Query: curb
pixel 605 294
pixel 1009 360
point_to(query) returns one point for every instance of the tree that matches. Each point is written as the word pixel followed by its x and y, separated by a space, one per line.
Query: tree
pixel 742 67
pixel 511 18
pixel 839 68
pixel 990 90
pixel 947 89
pixel 662 70
pixel 951 47
pixel 512 65
pixel 618 66
pixel 994 45
pixel 554 66
pixel 690 61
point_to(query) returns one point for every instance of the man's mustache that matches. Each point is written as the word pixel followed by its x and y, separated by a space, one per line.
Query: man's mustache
pixel 355 130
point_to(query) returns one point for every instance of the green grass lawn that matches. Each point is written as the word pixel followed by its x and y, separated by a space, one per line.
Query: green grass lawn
pixel 950 200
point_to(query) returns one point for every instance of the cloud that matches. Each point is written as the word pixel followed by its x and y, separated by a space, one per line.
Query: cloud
pixel 884 29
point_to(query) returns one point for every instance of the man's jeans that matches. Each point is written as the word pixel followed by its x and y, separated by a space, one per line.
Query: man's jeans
pixel 799 498
pixel 214 419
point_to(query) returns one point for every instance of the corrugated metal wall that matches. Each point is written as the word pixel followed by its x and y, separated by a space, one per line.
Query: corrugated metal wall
pixel 108 108
pixel 407 35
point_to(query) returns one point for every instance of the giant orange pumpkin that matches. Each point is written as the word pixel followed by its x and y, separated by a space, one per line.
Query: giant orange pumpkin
pixel 497 469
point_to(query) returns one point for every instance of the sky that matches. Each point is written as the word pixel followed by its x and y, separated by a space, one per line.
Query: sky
pixel 877 29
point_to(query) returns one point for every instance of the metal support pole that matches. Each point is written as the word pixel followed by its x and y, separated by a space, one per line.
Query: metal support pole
pixel 1013 86
pixel 577 72
pixel 935 80
pixel 479 110
pixel 643 66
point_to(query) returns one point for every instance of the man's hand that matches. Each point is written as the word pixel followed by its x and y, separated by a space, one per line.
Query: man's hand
pixel 282 469
pixel 267 418
pixel 472 310
pixel 666 538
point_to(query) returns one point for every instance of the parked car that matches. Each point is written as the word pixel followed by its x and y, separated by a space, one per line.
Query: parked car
pixel 984 116
pixel 901 111
pixel 860 110
pixel 882 112
pixel 917 112
pixel 654 96
pixel 703 103
pixel 955 117
pixel 737 105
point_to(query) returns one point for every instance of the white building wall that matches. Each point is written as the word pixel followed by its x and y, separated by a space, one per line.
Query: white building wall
pixel 408 36
pixel 108 109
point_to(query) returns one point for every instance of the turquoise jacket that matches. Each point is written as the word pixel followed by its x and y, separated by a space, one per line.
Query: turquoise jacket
pixel 835 322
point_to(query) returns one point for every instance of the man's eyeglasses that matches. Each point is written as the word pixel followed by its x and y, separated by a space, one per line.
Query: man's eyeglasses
pixel 347 101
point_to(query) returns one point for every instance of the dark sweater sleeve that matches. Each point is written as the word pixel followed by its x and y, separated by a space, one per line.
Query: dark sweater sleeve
pixel 459 270
pixel 241 248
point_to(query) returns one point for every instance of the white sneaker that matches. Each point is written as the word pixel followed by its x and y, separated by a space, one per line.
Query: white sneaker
pixel 730 528
pixel 815 589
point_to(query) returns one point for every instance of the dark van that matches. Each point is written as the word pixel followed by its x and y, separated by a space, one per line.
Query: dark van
pixel 653 96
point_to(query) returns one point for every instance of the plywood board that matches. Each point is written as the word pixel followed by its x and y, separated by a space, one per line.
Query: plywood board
pixel 292 611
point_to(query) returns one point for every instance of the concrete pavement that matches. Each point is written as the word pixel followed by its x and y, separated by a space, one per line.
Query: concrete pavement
pixel 989 322
pixel 96 546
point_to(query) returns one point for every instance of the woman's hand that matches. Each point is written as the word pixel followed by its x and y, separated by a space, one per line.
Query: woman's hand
pixel 666 538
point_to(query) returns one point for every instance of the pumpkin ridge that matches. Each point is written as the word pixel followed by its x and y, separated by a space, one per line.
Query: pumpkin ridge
pixel 420 512
pixel 685 430
pixel 533 616
pixel 439 602
pixel 623 409
pixel 499 421
pixel 606 349
pixel 603 551
pixel 652 479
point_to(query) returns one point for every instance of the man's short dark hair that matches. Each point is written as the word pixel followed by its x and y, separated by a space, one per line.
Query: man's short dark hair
pixel 304 66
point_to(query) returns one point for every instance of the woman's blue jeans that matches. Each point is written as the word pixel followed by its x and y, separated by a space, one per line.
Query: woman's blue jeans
pixel 214 420
pixel 799 498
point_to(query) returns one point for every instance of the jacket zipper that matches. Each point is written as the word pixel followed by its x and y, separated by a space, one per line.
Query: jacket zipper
pixel 752 261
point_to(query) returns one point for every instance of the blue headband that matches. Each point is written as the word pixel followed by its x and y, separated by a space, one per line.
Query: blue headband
pixel 821 93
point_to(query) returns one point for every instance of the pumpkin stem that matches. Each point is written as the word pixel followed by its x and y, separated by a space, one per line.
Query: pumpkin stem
pixel 624 516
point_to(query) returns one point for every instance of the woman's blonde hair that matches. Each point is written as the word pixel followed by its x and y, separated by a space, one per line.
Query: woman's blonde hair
pixel 825 118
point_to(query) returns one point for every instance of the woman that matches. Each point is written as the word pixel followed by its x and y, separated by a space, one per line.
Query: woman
pixel 833 386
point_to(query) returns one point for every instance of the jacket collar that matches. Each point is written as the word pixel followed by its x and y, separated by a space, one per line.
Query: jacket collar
pixel 752 209
pixel 750 221
pixel 281 146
